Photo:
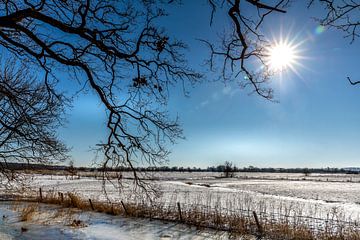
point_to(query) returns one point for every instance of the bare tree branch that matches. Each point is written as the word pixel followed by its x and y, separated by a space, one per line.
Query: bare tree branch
pixel 117 50
pixel 244 45
pixel 351 82
pixel 29 117
pixel 341 15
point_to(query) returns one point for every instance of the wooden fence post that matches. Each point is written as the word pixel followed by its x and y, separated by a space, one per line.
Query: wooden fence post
pixel 258 223
pixel 91 204
pixel 61 197
pixel 112 209
pixel 41 197
pixel 179 208
pixel 123 205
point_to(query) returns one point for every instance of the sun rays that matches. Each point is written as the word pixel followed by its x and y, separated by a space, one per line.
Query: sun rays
pixel 283 55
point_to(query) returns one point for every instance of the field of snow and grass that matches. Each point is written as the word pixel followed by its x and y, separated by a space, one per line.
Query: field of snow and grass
pixel 313 200
pixel 315 195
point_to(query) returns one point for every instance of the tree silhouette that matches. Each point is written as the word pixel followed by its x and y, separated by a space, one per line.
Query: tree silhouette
pixel 119 52
pixel 116 50
pixel 246 44
pixel 228 169
pixel 343 16
pixel 29 116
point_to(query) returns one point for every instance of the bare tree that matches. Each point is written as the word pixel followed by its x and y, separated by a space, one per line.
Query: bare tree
pixel 71 169
pixel 228 169
pixel 29 117
pixel 244 45
pixel 116 50
pixel 244 50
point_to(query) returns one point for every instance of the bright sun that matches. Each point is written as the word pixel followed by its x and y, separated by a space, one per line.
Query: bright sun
pixel 281 56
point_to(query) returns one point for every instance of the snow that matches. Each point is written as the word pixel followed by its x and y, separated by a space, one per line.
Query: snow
pixel 269 194
pixel 97 226
pixel 147 231
pixel 317 195
pixel 4 236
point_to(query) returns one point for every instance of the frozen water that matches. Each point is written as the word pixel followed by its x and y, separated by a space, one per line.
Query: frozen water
pixel 96 226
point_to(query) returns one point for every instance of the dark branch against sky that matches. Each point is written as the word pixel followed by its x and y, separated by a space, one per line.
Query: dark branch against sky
pixel 314 123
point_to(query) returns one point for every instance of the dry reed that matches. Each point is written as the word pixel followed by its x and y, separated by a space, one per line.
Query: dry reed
pixel 210 215
pixel 28 212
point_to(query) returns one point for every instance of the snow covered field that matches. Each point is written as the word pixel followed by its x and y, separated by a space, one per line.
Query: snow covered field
pixel 310 200
pixel 316 195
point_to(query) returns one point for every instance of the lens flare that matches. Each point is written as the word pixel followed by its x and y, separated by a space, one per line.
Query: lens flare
pixel 319 29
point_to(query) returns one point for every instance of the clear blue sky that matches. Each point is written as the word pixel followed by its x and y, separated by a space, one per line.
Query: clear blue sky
pixel 315 123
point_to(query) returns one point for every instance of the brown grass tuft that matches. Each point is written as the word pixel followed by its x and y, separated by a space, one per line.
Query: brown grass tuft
pixel 28 212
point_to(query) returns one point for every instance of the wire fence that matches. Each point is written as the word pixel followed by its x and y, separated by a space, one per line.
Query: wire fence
pixel 180 211
pixel 331 223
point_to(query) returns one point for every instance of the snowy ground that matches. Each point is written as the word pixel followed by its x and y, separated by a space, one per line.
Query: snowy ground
pixel 318 196
pixel 51 222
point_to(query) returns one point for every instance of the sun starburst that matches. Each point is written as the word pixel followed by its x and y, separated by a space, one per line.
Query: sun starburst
pixel 282 55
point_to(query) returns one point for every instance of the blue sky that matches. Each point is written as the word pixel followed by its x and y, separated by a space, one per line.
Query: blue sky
pixel 314 124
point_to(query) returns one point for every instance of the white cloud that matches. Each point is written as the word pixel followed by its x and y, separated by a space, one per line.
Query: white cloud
pixel 227 91
pixel 204 103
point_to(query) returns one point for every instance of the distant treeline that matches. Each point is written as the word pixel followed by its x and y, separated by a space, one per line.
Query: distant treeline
pixel 222 168
pixel 219 168
pixel 30 166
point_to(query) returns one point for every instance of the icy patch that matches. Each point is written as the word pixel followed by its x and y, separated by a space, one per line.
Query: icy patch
pixel 4 236
pixel 98 226
pixel 112 232
pixel 132 229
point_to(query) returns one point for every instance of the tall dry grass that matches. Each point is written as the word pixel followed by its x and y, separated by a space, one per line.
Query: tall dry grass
pixel 28 211
pixel 214 216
